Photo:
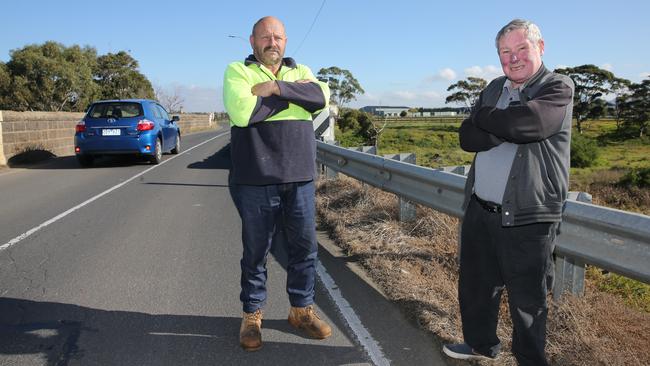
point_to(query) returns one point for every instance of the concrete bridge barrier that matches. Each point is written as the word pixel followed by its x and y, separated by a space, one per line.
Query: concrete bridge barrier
pixel 54 131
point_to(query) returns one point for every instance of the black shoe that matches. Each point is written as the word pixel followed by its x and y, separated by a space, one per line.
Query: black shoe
pixel 462 351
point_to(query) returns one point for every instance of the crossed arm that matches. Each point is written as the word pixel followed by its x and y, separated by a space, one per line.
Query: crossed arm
pixel 249 103
pixel 527 121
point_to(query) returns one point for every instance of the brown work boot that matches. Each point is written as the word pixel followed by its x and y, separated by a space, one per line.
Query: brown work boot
pixel 250 332
pixel 307 320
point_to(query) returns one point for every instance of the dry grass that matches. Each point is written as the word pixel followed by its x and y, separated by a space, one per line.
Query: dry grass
pixel 416 266
pixel 624 198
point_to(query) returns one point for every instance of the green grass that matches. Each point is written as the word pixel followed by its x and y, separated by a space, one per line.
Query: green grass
pixel 434 144
pixel 618 153
pixel 636 294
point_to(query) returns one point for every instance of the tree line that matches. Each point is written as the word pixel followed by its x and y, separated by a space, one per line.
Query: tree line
pixel 53 77
pixel 629 106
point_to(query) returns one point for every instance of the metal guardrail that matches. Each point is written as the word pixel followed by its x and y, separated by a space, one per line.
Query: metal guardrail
pixel 614 240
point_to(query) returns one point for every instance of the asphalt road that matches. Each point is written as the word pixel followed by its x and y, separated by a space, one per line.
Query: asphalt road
pixel 127 263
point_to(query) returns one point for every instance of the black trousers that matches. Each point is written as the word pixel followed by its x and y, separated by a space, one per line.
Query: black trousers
pixel 493 257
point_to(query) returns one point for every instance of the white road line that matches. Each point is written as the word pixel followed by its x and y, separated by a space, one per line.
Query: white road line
pixel 58 217
pixel 363 336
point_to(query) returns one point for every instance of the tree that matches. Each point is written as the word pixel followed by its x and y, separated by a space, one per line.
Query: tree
pixel 636 108
pixel 468 91
pixel 172 102
pixel 343 86
pixel 118 77
pixel 50 77
pixel 591 83
pixel 374 129
pixel 349 120
pixel 621 90
pixel 4 83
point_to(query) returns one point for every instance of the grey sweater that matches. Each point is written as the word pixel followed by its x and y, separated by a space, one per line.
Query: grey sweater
pixel 540 124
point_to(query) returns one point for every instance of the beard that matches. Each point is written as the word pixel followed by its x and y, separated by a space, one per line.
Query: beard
pixel 267 56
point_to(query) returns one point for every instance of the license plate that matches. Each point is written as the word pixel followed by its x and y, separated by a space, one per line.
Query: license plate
pixel 111 132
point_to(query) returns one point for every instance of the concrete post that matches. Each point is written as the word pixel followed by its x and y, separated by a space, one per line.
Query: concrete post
pixel 569 273
pixel 3 159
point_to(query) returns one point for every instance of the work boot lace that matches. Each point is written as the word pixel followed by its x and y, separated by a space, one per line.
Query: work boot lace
pixel 253 318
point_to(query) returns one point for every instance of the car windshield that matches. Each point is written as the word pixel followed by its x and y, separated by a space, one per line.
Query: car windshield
pixel 115 110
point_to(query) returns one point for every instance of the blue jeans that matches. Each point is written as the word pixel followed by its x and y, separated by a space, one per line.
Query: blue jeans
pixel 264 211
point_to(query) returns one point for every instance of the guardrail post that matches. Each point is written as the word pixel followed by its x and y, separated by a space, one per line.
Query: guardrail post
pixel 372 150
pixel 329 172
pixel 456 169
pixel 569 272
pixel 407 211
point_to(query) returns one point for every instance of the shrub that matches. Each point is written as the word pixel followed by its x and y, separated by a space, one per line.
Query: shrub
pixel 349 120
pixel 584 151
pixel 636 178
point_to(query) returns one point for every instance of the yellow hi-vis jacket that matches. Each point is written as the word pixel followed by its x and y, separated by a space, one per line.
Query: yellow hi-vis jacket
pixel 272 138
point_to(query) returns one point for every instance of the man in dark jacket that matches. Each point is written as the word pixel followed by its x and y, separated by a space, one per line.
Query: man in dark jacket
pixel 520 129
pixel 270 100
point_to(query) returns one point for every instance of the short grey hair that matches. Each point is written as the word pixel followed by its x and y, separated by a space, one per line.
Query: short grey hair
pixel 532 31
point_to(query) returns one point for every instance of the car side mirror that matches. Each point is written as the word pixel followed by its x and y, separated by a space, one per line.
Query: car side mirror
pixel 176 118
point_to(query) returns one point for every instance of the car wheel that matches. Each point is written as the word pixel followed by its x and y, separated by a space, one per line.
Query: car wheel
pixel 85 160
pixel 156 158
pixel 177 147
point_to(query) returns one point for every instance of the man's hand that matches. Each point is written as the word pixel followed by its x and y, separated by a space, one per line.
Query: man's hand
pixel 266 89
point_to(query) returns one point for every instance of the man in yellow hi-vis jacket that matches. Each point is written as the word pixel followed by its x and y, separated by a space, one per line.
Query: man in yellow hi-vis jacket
pixel 270 100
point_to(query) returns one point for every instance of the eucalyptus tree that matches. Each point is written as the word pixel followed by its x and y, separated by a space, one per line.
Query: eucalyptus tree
pixel 118 77
pixel 49 77
pixel 344 87
pixel 636 108
pixel 467 91
pixel 591 84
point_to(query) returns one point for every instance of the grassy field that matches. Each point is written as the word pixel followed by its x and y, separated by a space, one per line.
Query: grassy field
pixel 435 144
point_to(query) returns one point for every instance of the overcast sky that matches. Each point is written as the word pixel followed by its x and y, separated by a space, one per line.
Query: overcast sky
pixel 402 52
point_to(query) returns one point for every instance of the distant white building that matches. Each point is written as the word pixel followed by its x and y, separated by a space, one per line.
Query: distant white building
pixel 433 112
pixel 385 111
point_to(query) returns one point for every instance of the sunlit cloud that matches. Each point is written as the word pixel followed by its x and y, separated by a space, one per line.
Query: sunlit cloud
pixel 488 72
pixel 607 67
pixel 446 74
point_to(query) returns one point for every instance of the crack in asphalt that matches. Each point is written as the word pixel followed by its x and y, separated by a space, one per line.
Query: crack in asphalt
pixel 28 276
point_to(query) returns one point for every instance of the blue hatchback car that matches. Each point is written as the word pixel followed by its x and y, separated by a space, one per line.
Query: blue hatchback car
pixel 131 126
